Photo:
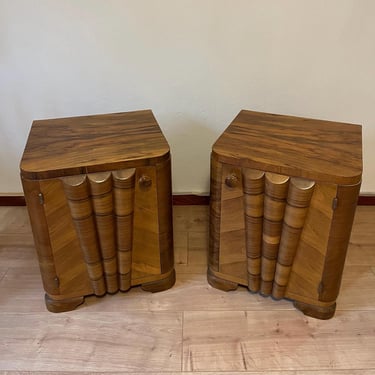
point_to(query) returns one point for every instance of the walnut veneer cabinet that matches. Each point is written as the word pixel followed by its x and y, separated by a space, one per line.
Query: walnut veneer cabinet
pixel 98 191
pixel 283 196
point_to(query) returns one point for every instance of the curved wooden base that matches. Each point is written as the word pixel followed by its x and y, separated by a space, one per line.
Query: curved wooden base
pixel 318 312
pixel 315 311
pixel 160 285
pixel 62 305
pixel 68 304
pixel 219 283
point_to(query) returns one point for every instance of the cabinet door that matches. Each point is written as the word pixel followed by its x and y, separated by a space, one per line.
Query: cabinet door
pixel 39 225
pixel 282 235
pixel 101 232
pixel 71 272
pixel 153 233
pixel 341 227
pixel 308 264
pixel 232 258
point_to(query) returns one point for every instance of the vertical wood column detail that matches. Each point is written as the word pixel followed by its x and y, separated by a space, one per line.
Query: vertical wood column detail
pixel 275 210
pixel 102 206
pixel 298 201
pixel 77 191
pixel 102 201
pixel 276 190
pixel 253 186
pixel 124 182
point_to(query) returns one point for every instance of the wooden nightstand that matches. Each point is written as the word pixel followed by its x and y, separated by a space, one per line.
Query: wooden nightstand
pixel 98 191
pixel 283 196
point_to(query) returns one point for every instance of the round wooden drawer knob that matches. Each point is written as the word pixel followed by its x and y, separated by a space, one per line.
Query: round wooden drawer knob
pixel 145 181
pixel 231 180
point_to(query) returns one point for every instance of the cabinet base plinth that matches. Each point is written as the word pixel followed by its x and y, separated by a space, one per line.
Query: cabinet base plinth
pixel 220 283
pixel 160 285
pixel 318 312
pixel 68 304
pixel 57 306
pixel 315 311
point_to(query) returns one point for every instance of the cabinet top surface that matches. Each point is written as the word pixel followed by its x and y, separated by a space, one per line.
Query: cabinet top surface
pixel 314 149
pixel 68 145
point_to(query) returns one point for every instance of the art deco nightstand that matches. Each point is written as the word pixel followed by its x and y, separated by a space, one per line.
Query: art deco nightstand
pixel 98 191
pixel 283 196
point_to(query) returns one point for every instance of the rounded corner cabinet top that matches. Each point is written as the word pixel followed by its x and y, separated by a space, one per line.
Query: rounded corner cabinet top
pixel 71 145
pixel 295 146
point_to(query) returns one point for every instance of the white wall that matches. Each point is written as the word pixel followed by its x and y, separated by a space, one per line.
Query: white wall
pixel 195 63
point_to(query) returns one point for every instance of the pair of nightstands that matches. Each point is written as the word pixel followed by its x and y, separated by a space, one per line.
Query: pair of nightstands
pixel 283 197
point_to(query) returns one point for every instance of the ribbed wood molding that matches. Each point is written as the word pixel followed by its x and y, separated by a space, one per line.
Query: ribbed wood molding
pixel 178 200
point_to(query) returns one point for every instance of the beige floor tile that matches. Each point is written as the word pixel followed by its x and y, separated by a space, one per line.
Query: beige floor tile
pixel 18 256
pixel 127 341
pixel 14 220
pixel 277 340
pixel 357 289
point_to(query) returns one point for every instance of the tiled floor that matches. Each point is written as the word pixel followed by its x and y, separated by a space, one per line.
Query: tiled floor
pixel 189 328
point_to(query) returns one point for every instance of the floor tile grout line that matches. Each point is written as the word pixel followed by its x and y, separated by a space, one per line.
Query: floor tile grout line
pixel 5 273
pixel 188 247
pixel 270 372
pixel 182 341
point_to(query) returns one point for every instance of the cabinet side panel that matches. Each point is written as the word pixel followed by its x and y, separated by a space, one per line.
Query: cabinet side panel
pixel 338 241
pixel 310 256
pixel 41 236
pixel 164 203
pixel 69 262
